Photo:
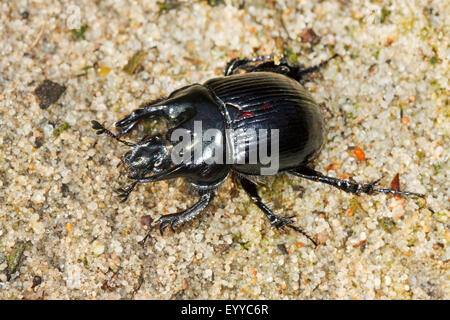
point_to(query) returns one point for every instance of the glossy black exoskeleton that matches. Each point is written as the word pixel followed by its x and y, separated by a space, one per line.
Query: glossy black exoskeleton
pixel 267 96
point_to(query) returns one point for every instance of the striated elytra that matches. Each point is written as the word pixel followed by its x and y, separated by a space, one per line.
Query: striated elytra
pixel 231 124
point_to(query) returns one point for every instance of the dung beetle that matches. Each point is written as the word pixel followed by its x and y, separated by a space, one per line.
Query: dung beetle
pixel 256 94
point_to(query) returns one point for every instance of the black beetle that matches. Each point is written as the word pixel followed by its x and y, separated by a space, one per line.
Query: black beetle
pixel 268 96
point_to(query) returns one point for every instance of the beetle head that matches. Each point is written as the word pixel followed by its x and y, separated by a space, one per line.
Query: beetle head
pixel 150 154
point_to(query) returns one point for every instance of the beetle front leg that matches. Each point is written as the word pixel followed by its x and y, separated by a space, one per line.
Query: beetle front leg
pixel 347 186
pixel 174 113
pixel 174 220
pixel 171 173
pixel 276 221
pixel 147 111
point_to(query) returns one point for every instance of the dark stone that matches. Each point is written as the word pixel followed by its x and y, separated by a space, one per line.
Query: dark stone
pixel 48 92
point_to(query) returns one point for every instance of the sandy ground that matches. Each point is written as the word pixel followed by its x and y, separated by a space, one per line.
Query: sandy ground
pixel 64 233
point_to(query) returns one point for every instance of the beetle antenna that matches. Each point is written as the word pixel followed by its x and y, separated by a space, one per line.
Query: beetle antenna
pixel 101 129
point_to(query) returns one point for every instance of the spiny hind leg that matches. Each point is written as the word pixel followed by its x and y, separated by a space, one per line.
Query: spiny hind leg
pixel 347 186
pixel 276 221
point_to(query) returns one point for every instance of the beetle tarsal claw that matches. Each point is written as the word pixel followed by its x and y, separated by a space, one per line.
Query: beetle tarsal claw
pixel 101 129
pixel 303 233
pixel 280 222
pixel 162 226
pixel 368 188
pixel 142 242
pixel 125 192
pixel 170 220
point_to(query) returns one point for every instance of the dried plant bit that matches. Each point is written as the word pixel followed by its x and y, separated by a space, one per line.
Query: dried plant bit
pixel 79 34
pixel 103 71
pixel 282 248
pixel 134 63
pixel 63 127
pixel 395 184
pixel 146 220
pixel 308 35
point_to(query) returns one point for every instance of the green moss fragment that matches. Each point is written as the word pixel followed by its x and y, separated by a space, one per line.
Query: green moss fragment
pixel 290 55
pixel 86 68
pixel 237 238
pixel 214 3
pixel 376 54
pixel 60 129
pixel 167 5
pixel 387 223
pixel 437 167
pixel 134 62
pixel 14 259
pixel 83 260
pixel 385 13
pixel 78 34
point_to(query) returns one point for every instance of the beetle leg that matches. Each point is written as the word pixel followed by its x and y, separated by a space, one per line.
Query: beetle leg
pixel 175 114
pixel 147 111
pixel 245 64
pixel 101 129
pixel 171 173
pixel 276 221
pixel 125 192
pixel 301 72
pixel 259 64
pixel 347 186
pixel 174 220
pixel 267 64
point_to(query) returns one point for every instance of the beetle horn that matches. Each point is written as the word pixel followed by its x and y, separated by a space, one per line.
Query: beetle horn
pixel 101 129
